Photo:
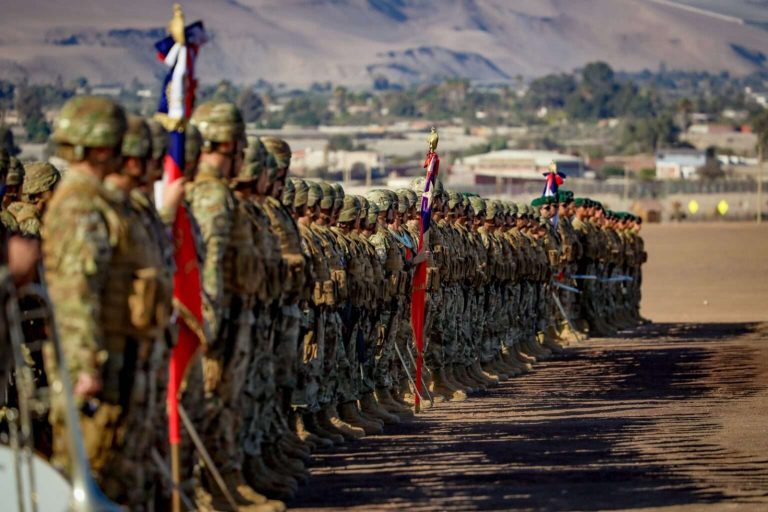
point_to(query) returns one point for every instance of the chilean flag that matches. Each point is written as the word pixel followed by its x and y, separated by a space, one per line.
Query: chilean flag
pixel 554 179
pixel 176 103
pixel 432 164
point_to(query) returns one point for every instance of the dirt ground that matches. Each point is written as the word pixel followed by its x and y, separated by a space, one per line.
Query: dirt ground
pixel 673 416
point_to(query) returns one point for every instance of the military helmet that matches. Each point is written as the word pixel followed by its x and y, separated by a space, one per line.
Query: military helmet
pixel 314 194
pixel 350 209
pixel 381 199
pixel 40 177
pixel 364 205
pixel 89 122
pixel 513 209
pixel 280 152
pixel 492 209
pixel 439 189
pixel 253 163
pixel 193 143
pixel 403 200
pixel 478 205
pixel 137 141
pixel 159 138
pixel 16 172
pixel 338 194
pixel 454 199
pixel 289 193
pixel 329 196
pixel 373 212
pixel 302 192
pixel 418 184
pixel 219 121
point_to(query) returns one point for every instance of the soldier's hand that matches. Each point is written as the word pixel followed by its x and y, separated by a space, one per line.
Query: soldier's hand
pixel 23 255
pixel 87 385
pixel 173 194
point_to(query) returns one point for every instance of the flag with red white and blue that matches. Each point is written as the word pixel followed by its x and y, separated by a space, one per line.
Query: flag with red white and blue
pixel 177 99
pixel 419 297
pixel 554 179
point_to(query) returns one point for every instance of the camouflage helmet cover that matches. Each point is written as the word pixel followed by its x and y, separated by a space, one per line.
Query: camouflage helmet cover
pixel 41 177
pixel 193 143
pixel 159 138
pixel 329 196
pixel 302 193
pixel 350 209
pixel 90 122
pixel 137 141
pixel 289 193
pixel 219 121
pixel 255 160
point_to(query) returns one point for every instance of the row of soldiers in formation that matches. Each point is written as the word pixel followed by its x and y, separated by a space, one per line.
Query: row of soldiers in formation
pixel 308 340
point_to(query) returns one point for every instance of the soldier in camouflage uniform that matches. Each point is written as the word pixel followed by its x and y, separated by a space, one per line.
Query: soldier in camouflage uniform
pixel 277 470
pixel 13 182
pixel 354 321
pixel 228 279
pixel 90 237
pixel 36 192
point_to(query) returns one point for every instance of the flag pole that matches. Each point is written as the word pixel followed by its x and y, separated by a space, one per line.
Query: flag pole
pixel 418 302
pixel 178 51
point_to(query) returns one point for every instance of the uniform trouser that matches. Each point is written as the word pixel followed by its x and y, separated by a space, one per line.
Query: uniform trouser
pixel 332 354
pixel 452 317
pixel 388 326
pixel 259 396
pixel 370 330
pixel 476 327
pixel 224 412
pixel 118 431
pixel 435 330
pixel 403 339
pixel 353 337
pixel 306 395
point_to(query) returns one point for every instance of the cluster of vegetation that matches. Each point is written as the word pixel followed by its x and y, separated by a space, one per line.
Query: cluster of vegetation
pixel 651 108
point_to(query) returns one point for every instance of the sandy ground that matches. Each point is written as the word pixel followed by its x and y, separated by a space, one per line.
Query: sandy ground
pixel 673 416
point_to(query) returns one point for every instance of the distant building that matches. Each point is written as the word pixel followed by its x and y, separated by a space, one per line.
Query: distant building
pixel 679 164
pixel 511 167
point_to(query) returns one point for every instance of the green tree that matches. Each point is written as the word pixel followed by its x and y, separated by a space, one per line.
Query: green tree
pixel 29 107
pixel 550 91
pixel 760 128
pixel 7 142
pixel 250 105
pixel 341 143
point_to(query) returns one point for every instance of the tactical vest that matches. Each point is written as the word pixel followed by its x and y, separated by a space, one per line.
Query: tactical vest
pixel 285 228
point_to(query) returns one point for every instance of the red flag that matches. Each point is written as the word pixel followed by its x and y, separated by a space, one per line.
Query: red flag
pixel 432 164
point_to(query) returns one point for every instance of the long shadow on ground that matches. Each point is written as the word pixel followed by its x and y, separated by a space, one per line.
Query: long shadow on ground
pixel 594 430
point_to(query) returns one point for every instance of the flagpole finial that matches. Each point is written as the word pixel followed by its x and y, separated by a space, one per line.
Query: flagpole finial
pixel 176 25
pixel 432 139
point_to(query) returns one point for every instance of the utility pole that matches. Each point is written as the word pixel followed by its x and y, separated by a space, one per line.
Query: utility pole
pixel 760 151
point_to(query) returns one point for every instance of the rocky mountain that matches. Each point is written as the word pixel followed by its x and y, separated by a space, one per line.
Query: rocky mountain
pixel 352 42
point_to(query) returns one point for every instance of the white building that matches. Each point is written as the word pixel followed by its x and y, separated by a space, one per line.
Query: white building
pixel 510 166
pixel 679 164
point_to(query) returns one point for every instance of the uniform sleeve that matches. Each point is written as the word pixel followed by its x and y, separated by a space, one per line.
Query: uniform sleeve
pixel 212 213
pixel 77 255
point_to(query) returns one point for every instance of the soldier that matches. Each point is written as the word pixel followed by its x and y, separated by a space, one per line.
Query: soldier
pixel 36 192
pixel 13 182
pixel 78 259
pixel 354 327
pixel 379 314
pixel 227 265
pixel 571 254
pixel 287 323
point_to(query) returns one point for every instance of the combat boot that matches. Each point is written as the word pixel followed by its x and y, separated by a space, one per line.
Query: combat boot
pixel 507 367
pixel 264 480
pixel 478 374
pixel 313 424
pixel 247 498
pixel 313 440
pixel 330 417
pixel 548 339
pixel 467 375
pixel 451 376
pixel 284 467
pixel 440 387
pixel 385 399
pixel 294 451
pixel 325 428
pixel 349 414
pixel 371 407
